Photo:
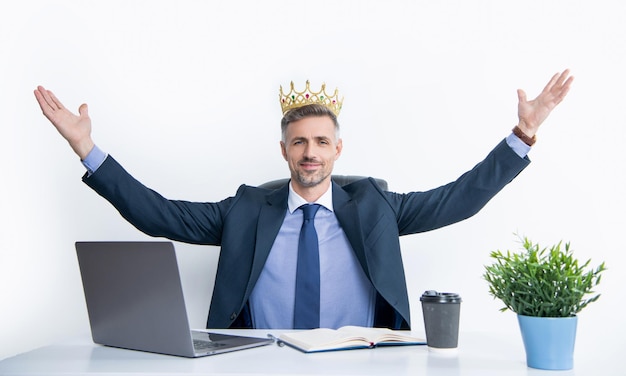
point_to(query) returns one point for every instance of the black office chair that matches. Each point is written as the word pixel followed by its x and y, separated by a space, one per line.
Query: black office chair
pixel 339 179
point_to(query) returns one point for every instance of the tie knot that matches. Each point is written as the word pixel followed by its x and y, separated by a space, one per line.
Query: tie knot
pixel 309 210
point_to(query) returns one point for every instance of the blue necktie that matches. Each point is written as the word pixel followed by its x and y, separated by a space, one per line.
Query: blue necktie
pixel 307 305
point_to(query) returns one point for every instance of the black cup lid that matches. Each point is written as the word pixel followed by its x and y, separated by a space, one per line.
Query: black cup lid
pixel 432 296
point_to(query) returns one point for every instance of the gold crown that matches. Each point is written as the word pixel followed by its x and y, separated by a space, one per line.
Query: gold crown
pixel 295 99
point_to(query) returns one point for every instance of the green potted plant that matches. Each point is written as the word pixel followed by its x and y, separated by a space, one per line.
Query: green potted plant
pixel 546 288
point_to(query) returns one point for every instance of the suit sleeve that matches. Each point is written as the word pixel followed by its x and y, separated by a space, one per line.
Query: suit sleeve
pixel 461 199
pixel 151 213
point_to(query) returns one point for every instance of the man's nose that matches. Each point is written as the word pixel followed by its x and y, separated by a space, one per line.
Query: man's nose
pixel 309 150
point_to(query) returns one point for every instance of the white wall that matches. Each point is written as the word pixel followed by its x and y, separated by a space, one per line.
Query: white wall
pixel 184 94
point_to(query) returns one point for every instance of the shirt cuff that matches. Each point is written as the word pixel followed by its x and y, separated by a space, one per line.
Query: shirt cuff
pixel 94 159
pixel 518 146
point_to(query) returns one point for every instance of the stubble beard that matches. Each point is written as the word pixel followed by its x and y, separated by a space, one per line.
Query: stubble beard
pixel 311 180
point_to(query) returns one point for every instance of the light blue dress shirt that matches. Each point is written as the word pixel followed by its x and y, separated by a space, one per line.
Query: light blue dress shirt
pixel 347 296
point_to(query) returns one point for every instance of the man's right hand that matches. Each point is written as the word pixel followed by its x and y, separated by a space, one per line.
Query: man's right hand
pixel 76 129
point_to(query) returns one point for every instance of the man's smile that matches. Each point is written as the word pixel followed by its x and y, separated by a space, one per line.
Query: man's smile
pixel 309 166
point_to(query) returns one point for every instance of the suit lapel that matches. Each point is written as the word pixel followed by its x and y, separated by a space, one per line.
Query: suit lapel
pixel 347 214
pixel 271 217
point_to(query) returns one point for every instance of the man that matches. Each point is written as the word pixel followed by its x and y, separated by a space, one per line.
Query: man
pixel 357 227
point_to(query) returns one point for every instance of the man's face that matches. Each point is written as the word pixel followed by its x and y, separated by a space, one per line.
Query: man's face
pixel 311 148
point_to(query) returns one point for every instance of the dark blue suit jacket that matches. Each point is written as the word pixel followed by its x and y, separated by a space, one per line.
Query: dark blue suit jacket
pixel 246 225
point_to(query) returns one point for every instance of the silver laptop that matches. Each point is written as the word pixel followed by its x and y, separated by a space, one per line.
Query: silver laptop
pixel 135 301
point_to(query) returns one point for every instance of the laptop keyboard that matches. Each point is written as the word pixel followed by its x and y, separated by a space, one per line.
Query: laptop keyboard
pixel 201 345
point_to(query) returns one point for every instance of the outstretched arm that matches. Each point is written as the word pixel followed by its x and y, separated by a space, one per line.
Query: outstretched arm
pixel 532 113
pixel 76 129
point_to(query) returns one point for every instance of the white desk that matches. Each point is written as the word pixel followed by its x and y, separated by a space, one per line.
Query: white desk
pixel 478 354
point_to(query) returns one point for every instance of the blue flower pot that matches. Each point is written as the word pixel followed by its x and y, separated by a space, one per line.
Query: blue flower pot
pixel 549 341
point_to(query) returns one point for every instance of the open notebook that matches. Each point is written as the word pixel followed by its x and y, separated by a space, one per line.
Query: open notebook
pixel 347 338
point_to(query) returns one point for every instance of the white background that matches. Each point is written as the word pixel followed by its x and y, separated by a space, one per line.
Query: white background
pixel 185 95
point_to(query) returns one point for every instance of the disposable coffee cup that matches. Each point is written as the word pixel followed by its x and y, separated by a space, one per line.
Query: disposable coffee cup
pixel 441 319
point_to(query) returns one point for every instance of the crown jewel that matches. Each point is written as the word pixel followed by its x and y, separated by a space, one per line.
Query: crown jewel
pixel 295 99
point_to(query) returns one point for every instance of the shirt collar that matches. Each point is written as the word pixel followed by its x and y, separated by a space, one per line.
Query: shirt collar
pixel 295 200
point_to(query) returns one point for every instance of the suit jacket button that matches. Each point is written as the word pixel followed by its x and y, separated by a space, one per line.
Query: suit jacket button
pixel 233 316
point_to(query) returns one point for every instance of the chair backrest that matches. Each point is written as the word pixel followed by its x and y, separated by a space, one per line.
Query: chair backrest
pixel 339 179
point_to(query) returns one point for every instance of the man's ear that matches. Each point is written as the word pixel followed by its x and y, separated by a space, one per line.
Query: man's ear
pixel 283 150
pixel 338 148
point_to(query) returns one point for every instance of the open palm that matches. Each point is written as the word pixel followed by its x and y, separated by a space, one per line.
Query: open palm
pixel 532 113
pixel 76 129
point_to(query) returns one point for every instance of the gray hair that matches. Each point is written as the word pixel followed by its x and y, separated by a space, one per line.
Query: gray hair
pixel 310 110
